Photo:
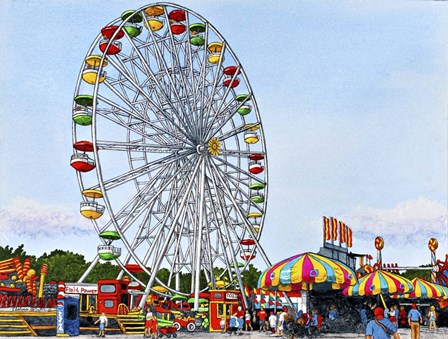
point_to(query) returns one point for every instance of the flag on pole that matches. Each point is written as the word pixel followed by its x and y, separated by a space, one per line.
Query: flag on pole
pixel 327 234
pixel 246 290
pixel 349 237
pixel 342 232
pixel 334 229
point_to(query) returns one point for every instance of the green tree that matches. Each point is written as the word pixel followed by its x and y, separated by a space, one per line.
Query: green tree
pixel 9 252
pixel 251 275
pixel 424 274
pixel 63 266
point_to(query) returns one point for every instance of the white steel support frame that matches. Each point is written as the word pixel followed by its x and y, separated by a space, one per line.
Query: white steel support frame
pixel 175 204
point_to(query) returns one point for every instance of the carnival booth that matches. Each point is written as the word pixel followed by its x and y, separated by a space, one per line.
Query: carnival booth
pixel 223 303
pixel 112 294
pixel 87 294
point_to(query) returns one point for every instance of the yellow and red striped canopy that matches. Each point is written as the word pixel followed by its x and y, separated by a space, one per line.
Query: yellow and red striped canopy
pixel 304 269
pixel 426 289
pixel 379 282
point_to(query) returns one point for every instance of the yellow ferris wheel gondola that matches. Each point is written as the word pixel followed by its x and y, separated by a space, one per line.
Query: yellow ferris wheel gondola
pixel 152 20
pixel 91 209
pixel 215 55
pixel 90 74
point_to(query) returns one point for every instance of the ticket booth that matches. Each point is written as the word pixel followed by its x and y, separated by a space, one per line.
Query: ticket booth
pixel 71 316
pixel 223 303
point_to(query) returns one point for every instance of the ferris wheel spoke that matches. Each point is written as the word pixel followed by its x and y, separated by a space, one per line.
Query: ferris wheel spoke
pixel 158 260
pixel 246 224
pixel 148 206
pixel 218 112
pixel 115 112
pixel 156 109
pixel 225 115
pixel 147 69
pixel 159 228
pixel 237 169
pixel 236 184
pixel 162 62
pixel 151 166
pixel 189 60
pixel 239 153
pixel 178 46
pixel 234 131
pixel 137 199
pixel 142 263
pixel 221 117
pixel 137 147
pixel 221 243
pixel 207 102
pixel 227 234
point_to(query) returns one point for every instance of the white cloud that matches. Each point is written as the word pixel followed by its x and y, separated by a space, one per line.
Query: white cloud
pixel 31 219
pixel 409 221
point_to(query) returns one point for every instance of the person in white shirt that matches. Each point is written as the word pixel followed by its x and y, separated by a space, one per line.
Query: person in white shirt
pixel 103 323
pixel 272 322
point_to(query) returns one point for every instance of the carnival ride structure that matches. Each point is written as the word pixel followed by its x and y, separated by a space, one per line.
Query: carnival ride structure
pixel 164 113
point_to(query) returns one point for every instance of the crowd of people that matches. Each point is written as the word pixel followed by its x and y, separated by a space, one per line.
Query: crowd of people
pixel 374 321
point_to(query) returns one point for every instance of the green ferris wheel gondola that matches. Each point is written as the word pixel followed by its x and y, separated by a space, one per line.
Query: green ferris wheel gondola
pixel 240 264
pixel 197 39
pixel 135 18
pixel 110 235
pixel 257 186
pixel 84 100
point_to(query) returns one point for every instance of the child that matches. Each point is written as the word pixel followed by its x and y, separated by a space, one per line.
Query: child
pixel 103 323
pixel 222 325
pixel 272 322
pixel 247 321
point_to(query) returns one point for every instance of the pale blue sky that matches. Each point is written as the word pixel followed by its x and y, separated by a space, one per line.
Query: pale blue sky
pixel 353 97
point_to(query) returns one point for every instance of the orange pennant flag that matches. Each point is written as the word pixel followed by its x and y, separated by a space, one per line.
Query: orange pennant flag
pixel 342 232
pixel 349 237
pixel 334 229
pixel 327 229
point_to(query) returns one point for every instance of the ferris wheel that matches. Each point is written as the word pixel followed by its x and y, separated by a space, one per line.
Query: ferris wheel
pixel 164 114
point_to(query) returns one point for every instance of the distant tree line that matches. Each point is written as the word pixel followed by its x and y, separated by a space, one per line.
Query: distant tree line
pixel 69 267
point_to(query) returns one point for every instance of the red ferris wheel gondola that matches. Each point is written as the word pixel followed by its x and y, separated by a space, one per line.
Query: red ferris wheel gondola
pixel 83 145
pixel 247 242
pixel 256 157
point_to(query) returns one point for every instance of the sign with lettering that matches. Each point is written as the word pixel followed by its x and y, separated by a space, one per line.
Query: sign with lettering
pixel 231 296
pixel 60 317
pixel 81 289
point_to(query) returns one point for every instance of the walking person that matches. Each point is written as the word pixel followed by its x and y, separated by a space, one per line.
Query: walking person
pixel 393 315
pixel 103 324
pixel 262 319
pixel 380 327
pixel 414 321
pixel 150 325
pixel 247 321
pixel 222 325
pixel 432 316
pixel 272 322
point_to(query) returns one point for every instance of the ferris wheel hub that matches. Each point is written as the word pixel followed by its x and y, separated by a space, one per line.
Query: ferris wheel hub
pixel 200 148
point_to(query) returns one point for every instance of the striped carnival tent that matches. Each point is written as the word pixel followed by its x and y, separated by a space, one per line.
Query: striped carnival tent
pixel 426 289
pixel 303 270
pixel 379 282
